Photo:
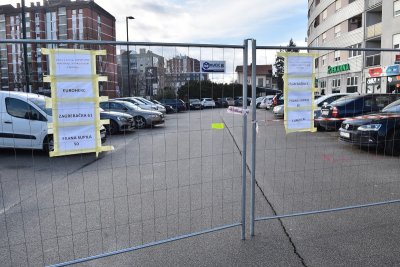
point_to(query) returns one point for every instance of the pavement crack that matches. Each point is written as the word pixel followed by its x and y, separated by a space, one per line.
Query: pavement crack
pixel 295 250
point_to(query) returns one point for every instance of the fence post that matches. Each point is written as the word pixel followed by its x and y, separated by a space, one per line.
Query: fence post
pixel 244 138
pixel 253 139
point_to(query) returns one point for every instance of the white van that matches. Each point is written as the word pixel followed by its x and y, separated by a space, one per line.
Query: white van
pixel 23 121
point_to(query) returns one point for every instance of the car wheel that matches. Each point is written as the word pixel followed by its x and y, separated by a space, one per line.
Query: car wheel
pixel 113 127
pixel 140 122
pixel 258 105
pixel 392 144
pixel 48 144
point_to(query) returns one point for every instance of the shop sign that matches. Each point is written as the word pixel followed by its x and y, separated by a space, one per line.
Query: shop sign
pixel 373 81
pixel 392 70
pixel 375 72
pixel 339 68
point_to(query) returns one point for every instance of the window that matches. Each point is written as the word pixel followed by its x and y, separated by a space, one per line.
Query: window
pixel 337 30
pixel 322 84
pixel 338 4
pixel 316 63
pixel 354 53
pixel 316 22
pixel 335 83
pixel 323 60
pixel 396 7
pixel 324 37
pixel 325 14
pixel 352 81
pixel 337 55
pixel 20 109
pixel 396 41
pixel 260 82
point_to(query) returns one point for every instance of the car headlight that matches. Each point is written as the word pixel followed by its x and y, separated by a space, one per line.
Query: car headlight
pixel 122 118
pixel 369 127
pixel 154 116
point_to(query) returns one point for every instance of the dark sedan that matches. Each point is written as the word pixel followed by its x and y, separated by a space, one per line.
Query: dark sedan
pixel 177 104
pixel 195 104
pixel 379 130
pixel 346 107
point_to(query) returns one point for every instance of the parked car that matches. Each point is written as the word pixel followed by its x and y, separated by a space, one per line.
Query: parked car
pixel 333 114
pixel 157 107
pixel 24 119
pixel 238 101
pixel 279 111
pixel 258 101
pixel 119 122
pixel 379 130
pixel 142 117
pixel 324 100
pixel 168 108
pixel 138 103
pixel 207 103
pixel 177 104
pixel 224 102
pixel 267 102
pixel 195 104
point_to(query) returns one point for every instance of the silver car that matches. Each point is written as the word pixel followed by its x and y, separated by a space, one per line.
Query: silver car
pixel 138 102
pixel 143 118
pixel 158 107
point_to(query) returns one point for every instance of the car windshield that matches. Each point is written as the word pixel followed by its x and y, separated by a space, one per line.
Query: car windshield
pixel 40 102
pixel 392 107
pixel 194 100
pixel 144 100
pixel 131 105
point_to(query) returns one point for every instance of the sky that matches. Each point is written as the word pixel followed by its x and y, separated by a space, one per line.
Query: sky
pixel 270 22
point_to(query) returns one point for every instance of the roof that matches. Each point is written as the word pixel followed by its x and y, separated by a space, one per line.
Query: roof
pixel 260 69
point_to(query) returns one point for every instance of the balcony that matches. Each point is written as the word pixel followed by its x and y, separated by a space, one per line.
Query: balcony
pixel 374 30
pixel 373 60
pixel 373 3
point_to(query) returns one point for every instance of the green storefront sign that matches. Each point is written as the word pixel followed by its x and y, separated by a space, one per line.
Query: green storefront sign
pixel 339 68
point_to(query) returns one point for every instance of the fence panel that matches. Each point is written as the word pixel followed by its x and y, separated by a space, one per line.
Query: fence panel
pixel 307 173
pixel 159 184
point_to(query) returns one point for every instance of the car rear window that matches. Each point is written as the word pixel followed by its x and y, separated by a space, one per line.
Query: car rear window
pixel 392 107
pixel 344 100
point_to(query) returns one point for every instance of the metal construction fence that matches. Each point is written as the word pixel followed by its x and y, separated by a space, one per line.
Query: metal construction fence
pixel 186 177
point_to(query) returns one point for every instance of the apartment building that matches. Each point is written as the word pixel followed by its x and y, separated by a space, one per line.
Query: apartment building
pixel 54 20
pixel 146 72
pixel 355 24
pixel 181 69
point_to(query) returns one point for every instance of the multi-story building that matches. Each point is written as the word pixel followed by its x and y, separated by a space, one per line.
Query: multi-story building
pixel 355 24
pixel 182 69
pixel 146 71
pixel 54 20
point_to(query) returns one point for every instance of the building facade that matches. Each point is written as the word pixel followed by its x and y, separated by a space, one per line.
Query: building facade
pixel 182 69
pixel 146 71
pixel 54 20
pixel 264 76
pixel 355 24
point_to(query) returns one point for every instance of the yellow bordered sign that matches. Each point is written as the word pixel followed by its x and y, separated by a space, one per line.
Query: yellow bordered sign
pixel 299 77
pixel 75 101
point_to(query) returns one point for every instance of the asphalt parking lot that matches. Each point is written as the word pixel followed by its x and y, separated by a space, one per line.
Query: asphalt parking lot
pixel 185 177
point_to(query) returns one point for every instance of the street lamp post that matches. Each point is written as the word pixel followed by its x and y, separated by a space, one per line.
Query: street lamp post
pixel 127 55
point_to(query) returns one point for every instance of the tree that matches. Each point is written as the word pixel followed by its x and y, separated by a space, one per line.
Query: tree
pixel 280 63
